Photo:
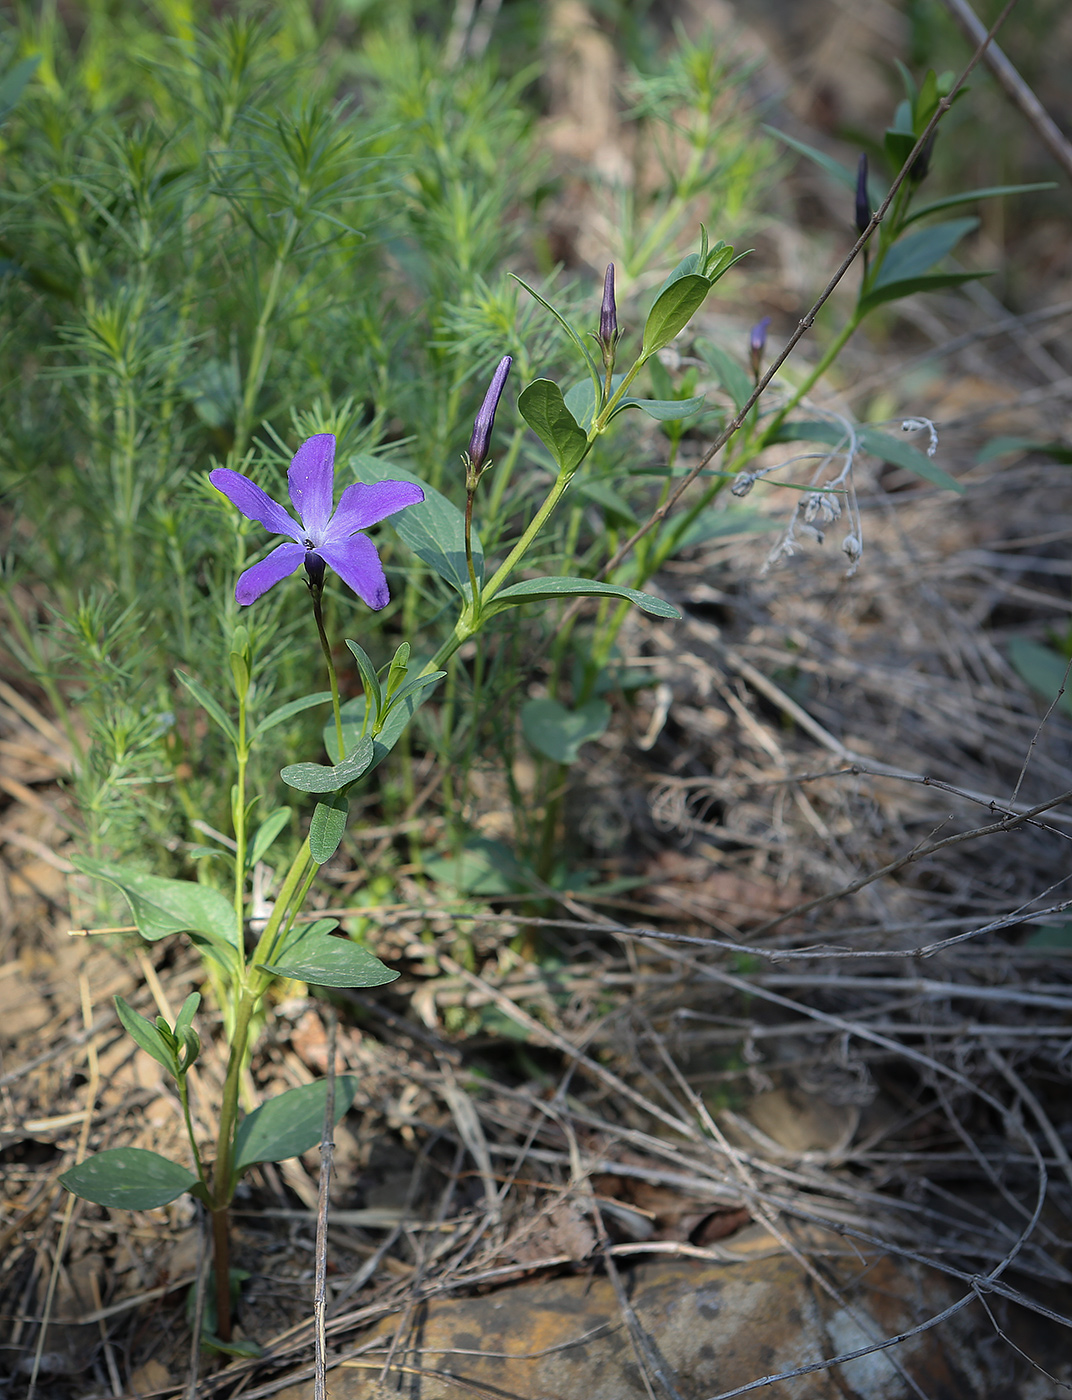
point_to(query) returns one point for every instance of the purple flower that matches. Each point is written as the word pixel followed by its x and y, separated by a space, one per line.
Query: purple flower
pixel 485 419
pixel 324 536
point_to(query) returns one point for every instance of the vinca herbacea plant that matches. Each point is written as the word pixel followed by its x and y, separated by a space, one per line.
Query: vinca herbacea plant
pixel 321 538
pixel 327 535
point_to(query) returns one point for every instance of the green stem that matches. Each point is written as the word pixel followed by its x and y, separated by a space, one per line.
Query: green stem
pixel 238 821
pixel 470 493
pixel 221 1182
pixel 184 1099
pixel 266 942
pixel 502 573
pixel 258 355
pixel 333 679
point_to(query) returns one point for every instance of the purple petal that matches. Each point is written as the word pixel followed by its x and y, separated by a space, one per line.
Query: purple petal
pixel 254 503
pixel 361 505
pixel 312 481
pixel 282 561
pixel 356 562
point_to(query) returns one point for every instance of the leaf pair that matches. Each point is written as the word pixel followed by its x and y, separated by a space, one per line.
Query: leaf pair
pixel 381 700
pixel 308 953
pixel 175 1048
pixel 133 1178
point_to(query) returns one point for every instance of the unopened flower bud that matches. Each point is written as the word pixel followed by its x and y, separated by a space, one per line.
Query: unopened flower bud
pixel 485 419
pixel 757 344
pixel 608 319
pixel 922 163
pixel 863 203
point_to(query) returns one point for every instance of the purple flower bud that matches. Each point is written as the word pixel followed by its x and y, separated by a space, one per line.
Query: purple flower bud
pixel 863 204
pixel 757 344
pixel 608 317
pixel 922 163
pixel 485 419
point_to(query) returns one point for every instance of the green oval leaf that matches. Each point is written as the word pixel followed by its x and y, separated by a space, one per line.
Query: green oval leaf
pixel 161 906
pixel 319 777
pixel 327 827
pixel 558 733
pixel 311 954
pixel 674 308
pixel 434 529
pixel 544 410
pixel 289 1124
pixel 932 282
pixel 535 590
pixel 129 1178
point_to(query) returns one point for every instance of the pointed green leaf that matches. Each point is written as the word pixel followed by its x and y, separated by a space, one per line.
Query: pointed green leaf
pixel 544 410
pixel 968 196
pixel 267 832
pixel 210 705
pixel 319 777
pixel 311 954
pixel 558 733
pixel 187 1012
pixel 128 1178
pixel 932 282
pixel 873 441
pixel 369 679
pixel 663 410
pixel 397 670
pixel 691 265
pixel 147 1036
pixel 673 310
pixel 841 173
pixel 327 827
pixel 918 252
pixel 411 688
pixel 288 711
pixel 899 145
pixel 162 906
pixel 394 725
pixel 289 1124
pixel 434 529
pixel 535 590
pixel 574 337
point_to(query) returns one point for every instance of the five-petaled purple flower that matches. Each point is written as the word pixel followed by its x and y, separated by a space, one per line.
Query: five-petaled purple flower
pixel 324 536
